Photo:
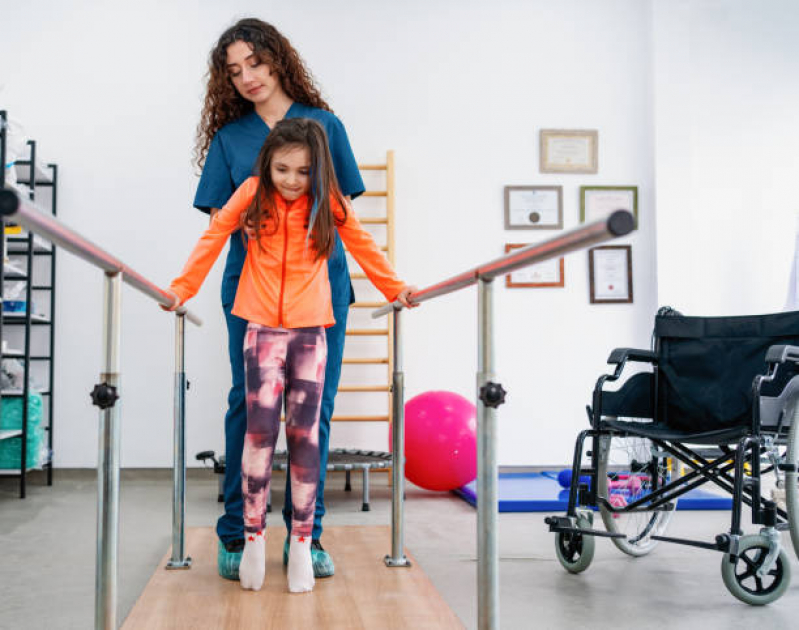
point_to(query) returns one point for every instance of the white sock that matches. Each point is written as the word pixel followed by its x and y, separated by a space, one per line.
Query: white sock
pixel 253 561
pixel 300 566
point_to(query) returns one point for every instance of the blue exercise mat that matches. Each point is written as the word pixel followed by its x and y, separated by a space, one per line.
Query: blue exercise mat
pixel 541 492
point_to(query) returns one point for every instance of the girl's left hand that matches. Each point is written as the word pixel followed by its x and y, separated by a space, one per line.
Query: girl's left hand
pixel 175 302
pixel 403 297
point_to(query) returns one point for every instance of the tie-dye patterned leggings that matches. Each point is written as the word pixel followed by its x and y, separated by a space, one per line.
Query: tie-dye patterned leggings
pixel 278 361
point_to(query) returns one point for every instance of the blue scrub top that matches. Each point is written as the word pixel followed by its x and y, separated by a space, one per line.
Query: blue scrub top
pixel 231 160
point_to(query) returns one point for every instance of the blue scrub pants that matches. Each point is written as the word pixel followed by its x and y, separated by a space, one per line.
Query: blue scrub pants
pixel 231 524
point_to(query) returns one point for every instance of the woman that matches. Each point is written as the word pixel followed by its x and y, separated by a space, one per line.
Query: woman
pixel 256 78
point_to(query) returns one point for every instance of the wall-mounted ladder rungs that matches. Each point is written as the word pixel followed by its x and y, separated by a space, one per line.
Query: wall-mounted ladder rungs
pixel 375 193
pixel 373 220
pixel 367 332
pixel 372 167
pixel 358 276
pixel 364 388
pixel 381 418
pixel 382 248
pixel 367 304
pixel 362 361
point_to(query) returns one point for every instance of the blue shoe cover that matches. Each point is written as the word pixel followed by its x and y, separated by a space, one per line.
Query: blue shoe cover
pixel 227 562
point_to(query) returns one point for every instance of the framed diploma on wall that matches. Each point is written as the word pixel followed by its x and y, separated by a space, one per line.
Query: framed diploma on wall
pixel 598 202
pixel 610 273
pixel 544 274
pixel 533 207
pixel 569 151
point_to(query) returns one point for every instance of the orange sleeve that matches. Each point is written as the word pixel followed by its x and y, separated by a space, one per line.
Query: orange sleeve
pixel 212 242
pixel 362 246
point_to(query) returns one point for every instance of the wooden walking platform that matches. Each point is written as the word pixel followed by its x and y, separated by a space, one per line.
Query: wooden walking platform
pixel 362 594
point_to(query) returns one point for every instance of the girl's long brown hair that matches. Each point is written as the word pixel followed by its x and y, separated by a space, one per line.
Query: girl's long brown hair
pixel 224 104
pixel 262 217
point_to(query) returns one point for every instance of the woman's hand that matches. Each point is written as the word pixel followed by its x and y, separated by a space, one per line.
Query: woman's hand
pixel 403 297
pixel 175 302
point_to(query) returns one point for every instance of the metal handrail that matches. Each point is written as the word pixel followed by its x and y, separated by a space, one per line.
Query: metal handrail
pixel 489 394
pixel 105 395
pixel 617 224
pixel 33 218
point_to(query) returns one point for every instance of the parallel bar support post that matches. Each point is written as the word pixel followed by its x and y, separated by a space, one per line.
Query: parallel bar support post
pixel 178 559
pixel 487 494
pixel 397 557
pixel 105 610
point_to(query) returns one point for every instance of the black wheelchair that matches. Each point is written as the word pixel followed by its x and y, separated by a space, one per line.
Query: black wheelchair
pixel 719 404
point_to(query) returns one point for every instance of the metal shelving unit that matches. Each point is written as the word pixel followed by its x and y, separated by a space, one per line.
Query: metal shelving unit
pixel 28 254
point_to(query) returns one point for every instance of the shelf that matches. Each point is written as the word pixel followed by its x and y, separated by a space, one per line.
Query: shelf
pixel 24 250
pixel 19 318
pixel 23 169
pixel 23 190
pixel 17 393
pixel 12 272
pixel 18 244
pixel 14 472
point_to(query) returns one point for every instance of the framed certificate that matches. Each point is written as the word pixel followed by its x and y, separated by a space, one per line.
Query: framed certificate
pixel 569 151
pixel 544 274
pixel 610 273
pixel 533 207
pixel 598 202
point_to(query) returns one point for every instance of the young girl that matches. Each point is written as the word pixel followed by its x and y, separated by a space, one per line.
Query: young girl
pixel 293 209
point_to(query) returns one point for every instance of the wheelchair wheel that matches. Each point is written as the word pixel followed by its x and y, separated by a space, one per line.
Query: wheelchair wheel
pixel 792 479
pixel 575 551
pixel 626 468
pixel 741 578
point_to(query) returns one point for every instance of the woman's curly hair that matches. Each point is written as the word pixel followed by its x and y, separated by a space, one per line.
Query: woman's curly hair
pixel 224 104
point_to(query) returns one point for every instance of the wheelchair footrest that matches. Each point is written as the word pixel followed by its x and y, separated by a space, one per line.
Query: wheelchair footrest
pixel 563 524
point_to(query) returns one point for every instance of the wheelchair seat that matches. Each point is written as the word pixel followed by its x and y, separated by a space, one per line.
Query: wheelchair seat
pixel 662 432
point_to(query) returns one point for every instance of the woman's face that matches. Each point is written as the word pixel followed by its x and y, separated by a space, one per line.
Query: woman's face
pixel 290 171
pixel 253 79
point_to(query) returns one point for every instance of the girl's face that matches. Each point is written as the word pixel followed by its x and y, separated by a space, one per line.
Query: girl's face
pixel 291 171
pixel 252 78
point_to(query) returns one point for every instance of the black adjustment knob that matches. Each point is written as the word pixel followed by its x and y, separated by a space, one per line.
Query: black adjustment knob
pixel 9 202
pixel 492 394
pixel 104 395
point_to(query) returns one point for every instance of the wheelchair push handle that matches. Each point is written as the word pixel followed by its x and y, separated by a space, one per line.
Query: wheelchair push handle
pixel 621 355
pixel 782 354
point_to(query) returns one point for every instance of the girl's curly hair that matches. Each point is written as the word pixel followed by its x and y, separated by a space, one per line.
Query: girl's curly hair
pixel 224 104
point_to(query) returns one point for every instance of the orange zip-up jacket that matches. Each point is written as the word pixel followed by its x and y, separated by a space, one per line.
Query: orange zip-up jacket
pixel 283 284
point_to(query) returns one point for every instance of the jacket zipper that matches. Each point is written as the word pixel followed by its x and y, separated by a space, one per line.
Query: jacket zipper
pixel 283 274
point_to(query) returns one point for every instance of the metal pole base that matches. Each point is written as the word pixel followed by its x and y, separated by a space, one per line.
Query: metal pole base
pixel 396 562
pixel 172 565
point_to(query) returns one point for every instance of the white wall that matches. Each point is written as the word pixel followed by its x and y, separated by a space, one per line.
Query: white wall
pixel 459 89
pixel 727 132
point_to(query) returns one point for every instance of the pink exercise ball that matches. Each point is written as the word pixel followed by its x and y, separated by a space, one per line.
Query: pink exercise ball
pixel 440 440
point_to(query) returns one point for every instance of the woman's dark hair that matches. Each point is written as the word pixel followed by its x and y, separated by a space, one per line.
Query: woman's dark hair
pixel 261 217
pixel 223 103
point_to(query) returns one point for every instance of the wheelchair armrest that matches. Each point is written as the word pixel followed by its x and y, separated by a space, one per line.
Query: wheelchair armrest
pixel 622 355
pixel 782 354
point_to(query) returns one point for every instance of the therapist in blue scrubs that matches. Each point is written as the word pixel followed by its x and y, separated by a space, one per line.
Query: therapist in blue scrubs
pixel 255 79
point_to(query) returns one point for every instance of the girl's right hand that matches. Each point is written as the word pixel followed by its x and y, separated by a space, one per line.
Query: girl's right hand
pixel 175 302
pixel 403 297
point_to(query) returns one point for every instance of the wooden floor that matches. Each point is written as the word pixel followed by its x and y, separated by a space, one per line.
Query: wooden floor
pixel 362 594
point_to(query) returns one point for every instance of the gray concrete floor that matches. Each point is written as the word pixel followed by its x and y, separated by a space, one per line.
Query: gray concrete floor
pixel 47 551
